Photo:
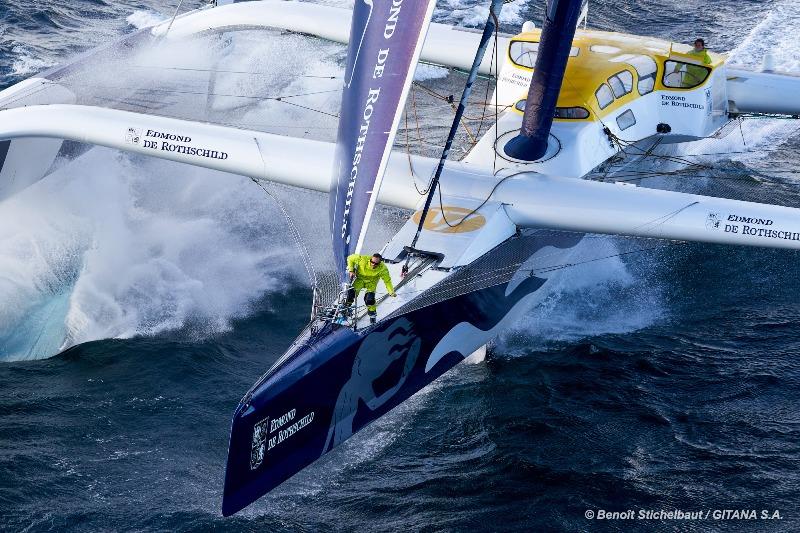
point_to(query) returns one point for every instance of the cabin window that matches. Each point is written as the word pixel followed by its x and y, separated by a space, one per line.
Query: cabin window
pixel 680 75
pixel 571 113
pixel 575 113
pixel 523 53
pixel 626 120
pixel 604 96
pixel 646 68
pixel 621 83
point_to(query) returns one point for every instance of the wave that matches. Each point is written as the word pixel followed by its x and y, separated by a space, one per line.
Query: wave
pixel 26 62
pixel 116 246
pixel 134 246
pixel 144 19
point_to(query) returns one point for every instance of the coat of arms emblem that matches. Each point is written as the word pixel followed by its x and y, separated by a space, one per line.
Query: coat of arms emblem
pixel 712 222
pixel 259 447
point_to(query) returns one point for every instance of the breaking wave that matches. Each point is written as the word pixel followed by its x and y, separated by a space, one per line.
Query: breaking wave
pixel 117 246
pixel 131 246
pixel 144 19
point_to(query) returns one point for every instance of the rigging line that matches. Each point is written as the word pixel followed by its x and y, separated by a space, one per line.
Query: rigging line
pixel 449 285
pixel 794 131
pixel 307 263
pixel 217 71
pixel 663 219
pixel 678 174
pixel 45 84
pixel 486 95
pixel 499 271
pixel 741 132
pixel 483 203
pixel 648 153
pixel 408 146
pixel 472 138
pixel 623 164
pixel 174 16
pixel 416 116
pixel 408 151
pixel 309 108
pixel 203 93
pixel 753 176
pixel 473 73
pixel 449 98
pixel 620 254
pixel 496 93
pixel 738 152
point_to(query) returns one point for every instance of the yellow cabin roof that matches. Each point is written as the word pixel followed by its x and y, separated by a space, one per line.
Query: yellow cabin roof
pixel 601 55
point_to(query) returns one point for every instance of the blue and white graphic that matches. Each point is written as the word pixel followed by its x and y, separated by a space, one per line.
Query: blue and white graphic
pixel 385 42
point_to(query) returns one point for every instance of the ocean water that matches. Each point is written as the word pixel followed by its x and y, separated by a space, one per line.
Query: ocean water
pixel 139 300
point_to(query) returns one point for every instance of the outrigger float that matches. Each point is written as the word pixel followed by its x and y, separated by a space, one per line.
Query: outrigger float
pixel 568 99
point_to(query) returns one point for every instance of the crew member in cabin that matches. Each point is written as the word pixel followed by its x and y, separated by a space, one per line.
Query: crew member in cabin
pixel 364 272
pixel 700 51
pixel 694 75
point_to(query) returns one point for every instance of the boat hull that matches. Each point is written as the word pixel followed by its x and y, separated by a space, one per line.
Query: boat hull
pixel 337 381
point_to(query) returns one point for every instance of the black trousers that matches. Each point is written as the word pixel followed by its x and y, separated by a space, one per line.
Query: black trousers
pixel 369 300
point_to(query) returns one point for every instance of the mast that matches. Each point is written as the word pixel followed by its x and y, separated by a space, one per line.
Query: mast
pixel 558 30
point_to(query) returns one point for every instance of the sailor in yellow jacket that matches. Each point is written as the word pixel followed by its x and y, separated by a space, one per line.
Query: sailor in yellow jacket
pixel 695 75
pixel 700 51
pixel 364 272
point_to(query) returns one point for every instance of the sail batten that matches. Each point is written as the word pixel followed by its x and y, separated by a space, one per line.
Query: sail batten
pixel 385 44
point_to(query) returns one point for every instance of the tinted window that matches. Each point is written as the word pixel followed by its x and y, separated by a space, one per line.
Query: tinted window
pixel 561 112
pixel 524 53
pixel 684 75
pixel 621 83
pixel 626 120
pixel 646 68
pixel 575 113
pixel 604 96
pixel 646 85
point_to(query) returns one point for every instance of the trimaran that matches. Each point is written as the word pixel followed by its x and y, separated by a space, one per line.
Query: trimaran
pixel 472 260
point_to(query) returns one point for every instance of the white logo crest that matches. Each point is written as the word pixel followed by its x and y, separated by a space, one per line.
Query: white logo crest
pixel 259 447
pixel 712 221
pixel 133 136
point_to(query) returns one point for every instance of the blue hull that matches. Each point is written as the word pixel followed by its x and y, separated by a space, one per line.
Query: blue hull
pixel 336 382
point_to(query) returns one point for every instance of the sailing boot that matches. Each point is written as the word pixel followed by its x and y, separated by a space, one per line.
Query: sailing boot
pixel 369 300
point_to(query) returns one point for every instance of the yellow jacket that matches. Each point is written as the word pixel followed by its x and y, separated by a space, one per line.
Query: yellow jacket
pixel 369 275
pixel 695 74
pixel 702 55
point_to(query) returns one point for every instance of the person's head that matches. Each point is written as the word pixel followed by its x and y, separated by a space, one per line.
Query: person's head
pixel 699 44
pixel 375 260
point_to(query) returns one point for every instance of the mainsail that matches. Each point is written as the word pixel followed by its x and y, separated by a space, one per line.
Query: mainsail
pixel 386 39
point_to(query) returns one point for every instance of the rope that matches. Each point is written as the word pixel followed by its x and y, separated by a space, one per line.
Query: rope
pixel 499 275
pixel 217 71
pixel 304 254
pixel 174 16
pixel 489 28
pixel 691 166
pixel 408 146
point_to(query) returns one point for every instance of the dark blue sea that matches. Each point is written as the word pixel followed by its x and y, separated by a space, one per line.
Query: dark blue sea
pixel 139 300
